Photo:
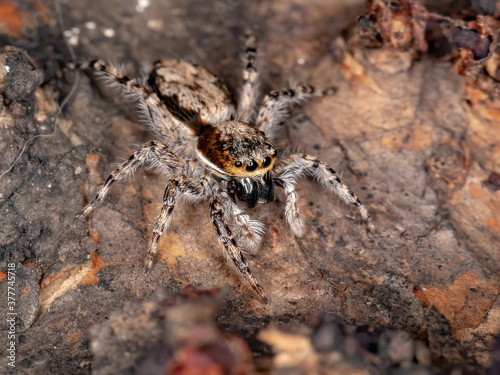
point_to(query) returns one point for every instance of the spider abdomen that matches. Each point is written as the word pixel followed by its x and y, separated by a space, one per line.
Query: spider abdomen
pixel 194 96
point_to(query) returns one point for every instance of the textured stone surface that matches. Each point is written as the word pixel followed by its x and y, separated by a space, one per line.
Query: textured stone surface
pixel 404 139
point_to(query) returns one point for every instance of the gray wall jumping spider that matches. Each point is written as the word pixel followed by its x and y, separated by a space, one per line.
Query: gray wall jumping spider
pixel 216 153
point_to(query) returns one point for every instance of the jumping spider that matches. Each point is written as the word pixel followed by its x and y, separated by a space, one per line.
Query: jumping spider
pixel 213 152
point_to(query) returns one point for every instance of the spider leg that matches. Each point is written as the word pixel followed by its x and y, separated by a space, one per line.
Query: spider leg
pixel 291 169
pixel 153 150
pixel 292 208
pixel 250 76
pixel 275 105
pixel 226 238
pixel 151 104
pixel 249 232
pixel 188 188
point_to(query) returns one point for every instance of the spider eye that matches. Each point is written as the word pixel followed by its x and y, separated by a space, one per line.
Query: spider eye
pixel 252 166
pixel 266 162
pixel 275 153
pixel 238 164
pixel 224 145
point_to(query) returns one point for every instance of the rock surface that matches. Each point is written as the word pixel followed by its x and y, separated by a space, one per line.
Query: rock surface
pixel 415 140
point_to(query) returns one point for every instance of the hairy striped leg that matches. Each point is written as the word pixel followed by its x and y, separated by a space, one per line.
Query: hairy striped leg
pixel 187 188
pixel 152 106
pixel 156 152
pixel 291 169
pixel 246 103
pixel 225 237
pixel 249 232
pixel 292 208
pixel 275 106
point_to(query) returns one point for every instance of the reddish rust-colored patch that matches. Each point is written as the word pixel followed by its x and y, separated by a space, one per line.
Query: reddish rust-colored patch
pixel 420 137
pixel 494 224
pixel 188 361
pixel 3 275
pixel 97 263
pixel 56 286
pixel 11 19
pixel 46 281
pixel 416 138
pixel 94 236
pixel 76 336
pixel 274 232
pixel 30 264
pixel 276 238
pixel 477 192
pixel 401 25
pixel 92 161
pixel 395 141
pixel 465 303
pixel 475 93
pixel 356 73
pixel 43 13
pixel 206 356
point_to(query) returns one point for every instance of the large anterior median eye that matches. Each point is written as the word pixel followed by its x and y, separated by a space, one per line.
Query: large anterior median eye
pixel 266 162
pixel 252 166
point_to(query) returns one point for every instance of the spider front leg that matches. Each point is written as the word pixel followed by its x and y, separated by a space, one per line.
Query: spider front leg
pixel 250 76
pixel 292 208
pixel 275 106
pixel 226 238
pixel 153 150
pixel 291 169
pixel 189 188
pixel 248 231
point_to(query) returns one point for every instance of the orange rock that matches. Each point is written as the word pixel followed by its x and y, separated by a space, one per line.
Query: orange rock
pixel 465 303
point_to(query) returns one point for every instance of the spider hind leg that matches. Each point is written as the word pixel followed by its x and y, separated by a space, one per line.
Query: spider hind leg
pixel 275 106
pixel 248 95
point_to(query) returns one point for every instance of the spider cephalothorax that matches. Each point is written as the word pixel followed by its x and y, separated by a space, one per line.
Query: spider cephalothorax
pixel 234 150
pixel 214 152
